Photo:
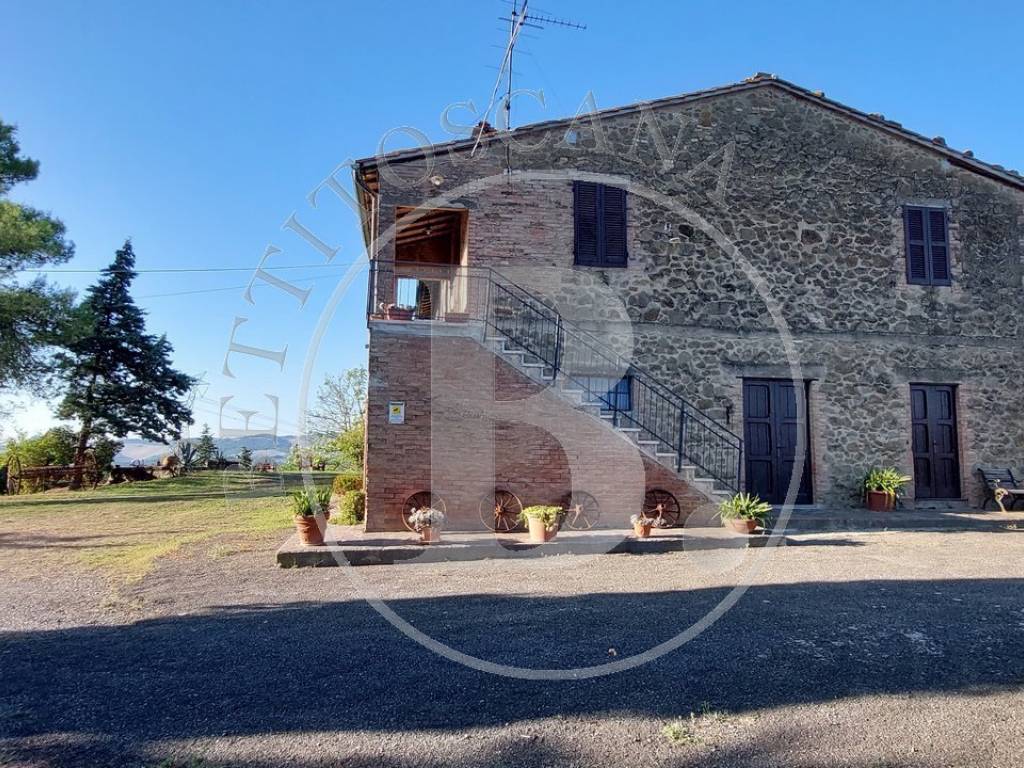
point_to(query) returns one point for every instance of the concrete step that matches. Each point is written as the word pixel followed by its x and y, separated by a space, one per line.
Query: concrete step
pixel 537 370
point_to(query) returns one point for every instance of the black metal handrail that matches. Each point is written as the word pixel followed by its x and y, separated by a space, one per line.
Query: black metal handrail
pixel 528 322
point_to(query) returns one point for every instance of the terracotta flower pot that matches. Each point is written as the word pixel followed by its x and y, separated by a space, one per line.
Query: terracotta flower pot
pixel 539 532
pixel 430 535
pixel 880 501
pixel 311 532
pixel 742 525
pixel 398 313
pixel 642 531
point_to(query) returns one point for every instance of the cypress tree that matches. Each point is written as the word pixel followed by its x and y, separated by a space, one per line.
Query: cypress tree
pixel 206 448
pixel 119 379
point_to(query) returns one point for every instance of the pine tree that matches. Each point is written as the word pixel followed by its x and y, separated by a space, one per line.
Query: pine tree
pixel 119 379
pixel 206 448
pixel 245 458
pixel 33 313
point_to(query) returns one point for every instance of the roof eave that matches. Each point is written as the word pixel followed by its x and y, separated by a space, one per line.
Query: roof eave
pixel 956 157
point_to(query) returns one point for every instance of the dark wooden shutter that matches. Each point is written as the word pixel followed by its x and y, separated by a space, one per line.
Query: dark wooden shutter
pixel 585 206
pixel 600 222
pixel 917 247
pixel 938 242
pixel 614 220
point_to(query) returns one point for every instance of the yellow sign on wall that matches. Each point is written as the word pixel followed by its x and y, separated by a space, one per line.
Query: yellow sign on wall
pixel 396 413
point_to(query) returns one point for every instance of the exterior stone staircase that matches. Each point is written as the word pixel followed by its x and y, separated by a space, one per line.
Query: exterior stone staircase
pixel 537 371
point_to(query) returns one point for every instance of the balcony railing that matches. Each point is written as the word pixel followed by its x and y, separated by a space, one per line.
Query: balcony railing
pixel 631 396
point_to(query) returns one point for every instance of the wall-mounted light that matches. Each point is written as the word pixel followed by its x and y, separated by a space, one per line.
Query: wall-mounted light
pixel 437 181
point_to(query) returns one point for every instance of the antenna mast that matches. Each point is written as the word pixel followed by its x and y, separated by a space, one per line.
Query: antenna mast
pixel 517 19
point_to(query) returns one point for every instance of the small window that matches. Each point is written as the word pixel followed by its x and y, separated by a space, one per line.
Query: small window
pixel 600 219
pixel 927 231
pixel 608 392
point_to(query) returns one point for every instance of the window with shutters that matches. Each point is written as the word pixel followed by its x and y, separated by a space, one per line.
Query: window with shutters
pixel 927 232
pixel 600 220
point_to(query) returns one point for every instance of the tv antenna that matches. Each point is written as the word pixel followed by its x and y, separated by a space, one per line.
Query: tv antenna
pixel 518 18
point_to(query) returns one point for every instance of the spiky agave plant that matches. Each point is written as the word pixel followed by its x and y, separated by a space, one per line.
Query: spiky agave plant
pixel 745 506
pixel 188 457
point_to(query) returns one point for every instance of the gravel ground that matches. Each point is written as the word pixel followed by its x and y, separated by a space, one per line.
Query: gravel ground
pixel 848 649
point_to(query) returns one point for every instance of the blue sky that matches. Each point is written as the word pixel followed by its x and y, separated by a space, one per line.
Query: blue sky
pixel 197 129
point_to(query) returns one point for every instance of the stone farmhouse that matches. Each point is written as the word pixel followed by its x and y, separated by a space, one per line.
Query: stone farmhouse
pixel 752 287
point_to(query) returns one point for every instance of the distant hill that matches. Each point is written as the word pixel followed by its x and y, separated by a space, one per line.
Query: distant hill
pixel 264 448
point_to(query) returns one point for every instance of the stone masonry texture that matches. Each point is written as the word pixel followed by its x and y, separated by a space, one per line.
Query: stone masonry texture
pixel 764 232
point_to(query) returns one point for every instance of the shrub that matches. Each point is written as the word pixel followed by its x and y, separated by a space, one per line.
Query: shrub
pixel 352 509
pixel 745 506
pixel 347 482
pixel 307 504
pixel 549 515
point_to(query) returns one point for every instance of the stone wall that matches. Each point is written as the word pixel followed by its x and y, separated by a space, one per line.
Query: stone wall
pixel 767 231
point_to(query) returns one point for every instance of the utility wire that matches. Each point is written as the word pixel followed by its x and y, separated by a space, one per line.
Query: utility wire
pixel 233 287
pixel 166 270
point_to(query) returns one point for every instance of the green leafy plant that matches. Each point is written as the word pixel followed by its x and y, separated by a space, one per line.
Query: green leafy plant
pixel 887 480
pixel 347 482
pixel 306 504
pixel 188 457
pixel 352 508
pixel 680 732
pixel 549 515
pixel 745 506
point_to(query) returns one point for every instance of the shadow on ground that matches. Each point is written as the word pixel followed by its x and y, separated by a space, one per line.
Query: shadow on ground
pixel 338 666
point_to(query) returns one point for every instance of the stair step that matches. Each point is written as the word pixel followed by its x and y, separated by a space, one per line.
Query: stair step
pixel 537 370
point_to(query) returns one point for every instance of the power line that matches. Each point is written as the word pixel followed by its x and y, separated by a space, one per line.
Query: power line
pixel 231 288
pixel 166 270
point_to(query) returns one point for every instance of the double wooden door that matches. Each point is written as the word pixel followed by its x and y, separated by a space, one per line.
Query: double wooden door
pixel 771 425
pixel 935 442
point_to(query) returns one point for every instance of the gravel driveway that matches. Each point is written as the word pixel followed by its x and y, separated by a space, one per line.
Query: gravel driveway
pixel 847 650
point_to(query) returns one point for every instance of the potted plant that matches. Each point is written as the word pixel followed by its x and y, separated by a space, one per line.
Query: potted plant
pixel 543 522
pixel 398 312
pixel 427 522
pixel 882 487
pixel 744 512
pixel 642 524
pixel 311 511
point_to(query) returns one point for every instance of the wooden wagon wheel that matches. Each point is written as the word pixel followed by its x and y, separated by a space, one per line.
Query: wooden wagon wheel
pixel 661 504
pixel 581 510
pixel 500 511
pixel 13 475
pixel 420 500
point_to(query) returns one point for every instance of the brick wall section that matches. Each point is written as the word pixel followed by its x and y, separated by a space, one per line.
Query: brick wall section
pixel 473 422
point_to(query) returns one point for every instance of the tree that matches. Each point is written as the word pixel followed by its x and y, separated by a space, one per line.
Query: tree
pixel 346 449
pixel 56 447
pixel 340 405
pixel 32 314
pixel 206 448
pixel 245 458
pixel 119 379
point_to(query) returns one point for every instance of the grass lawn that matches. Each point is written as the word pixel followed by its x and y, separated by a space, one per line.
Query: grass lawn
pixel 123 529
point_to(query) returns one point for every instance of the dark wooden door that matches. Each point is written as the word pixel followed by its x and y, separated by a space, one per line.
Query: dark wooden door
pixel 771 424
pixel 935 442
